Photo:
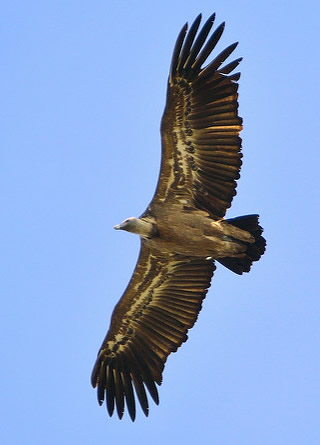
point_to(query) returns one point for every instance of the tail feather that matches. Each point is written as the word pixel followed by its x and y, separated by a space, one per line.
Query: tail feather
pixel 255 250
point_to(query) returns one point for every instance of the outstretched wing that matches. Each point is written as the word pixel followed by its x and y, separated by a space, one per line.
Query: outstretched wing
pixel 200 127
pixel 160 304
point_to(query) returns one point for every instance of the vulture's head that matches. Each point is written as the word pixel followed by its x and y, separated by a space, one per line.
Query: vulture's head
pixel 129 224
pixel 138 226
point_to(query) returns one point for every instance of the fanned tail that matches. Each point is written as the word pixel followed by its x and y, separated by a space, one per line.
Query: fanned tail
pixel 255 250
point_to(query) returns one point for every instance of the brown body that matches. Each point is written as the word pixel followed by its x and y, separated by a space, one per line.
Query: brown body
pixel 194 233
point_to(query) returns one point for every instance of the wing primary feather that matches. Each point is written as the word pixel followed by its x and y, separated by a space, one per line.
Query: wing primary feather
pixel 146 375
pixel 128 390
pixel 135 374
pixel 101 384
pixel 188 42
pixel 119 392
pixel 153 391
pixel 110 392
pixel 201 38
pixel 95 372
pixel 209 46
pixel 212 67
pixel 141 394
pixel 235 77
pixel 226 69
pixel 176 51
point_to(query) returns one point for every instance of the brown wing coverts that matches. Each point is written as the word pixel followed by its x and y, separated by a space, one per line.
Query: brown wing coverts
pixel 147 325
pixel 200 126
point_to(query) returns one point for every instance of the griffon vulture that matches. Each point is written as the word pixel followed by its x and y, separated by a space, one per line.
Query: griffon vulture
pixel 183 230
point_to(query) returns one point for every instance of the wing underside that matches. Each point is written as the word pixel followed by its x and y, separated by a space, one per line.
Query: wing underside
pixel 160 304
pixel 200 127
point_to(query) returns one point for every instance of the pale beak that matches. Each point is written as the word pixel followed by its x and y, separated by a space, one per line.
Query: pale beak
pixel 117 227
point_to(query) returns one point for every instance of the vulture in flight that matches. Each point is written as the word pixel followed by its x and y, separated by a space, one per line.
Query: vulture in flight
pixel 183 230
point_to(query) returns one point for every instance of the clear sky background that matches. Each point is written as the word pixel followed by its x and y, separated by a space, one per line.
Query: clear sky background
pixel 83 90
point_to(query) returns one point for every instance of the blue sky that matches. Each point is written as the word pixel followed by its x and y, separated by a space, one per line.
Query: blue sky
pixel 83 90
